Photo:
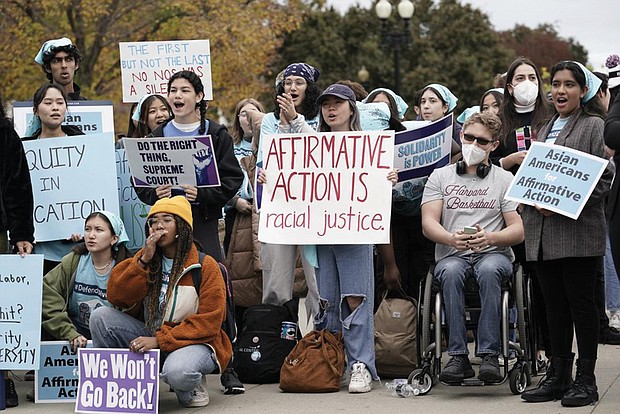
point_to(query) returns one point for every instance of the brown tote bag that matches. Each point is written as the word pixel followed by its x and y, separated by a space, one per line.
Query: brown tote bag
pixel 315 364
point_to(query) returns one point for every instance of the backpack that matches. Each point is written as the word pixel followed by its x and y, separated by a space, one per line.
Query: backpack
pixel 396 353
pixel 261 350
pixel 229 326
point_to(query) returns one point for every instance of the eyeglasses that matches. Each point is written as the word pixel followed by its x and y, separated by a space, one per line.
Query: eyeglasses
pixel 481 141
pixel 299 83
pixel 164 220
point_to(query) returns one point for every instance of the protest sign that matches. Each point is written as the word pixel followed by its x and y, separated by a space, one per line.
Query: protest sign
pixel 147 66
pixel 172 160
pixel 327 188
pixel 56 380
pixel 117 381
pixel 92 117
pixel 557 178
pixel 417 153
pixel 71 178
pixel 133 212
pixel 21 281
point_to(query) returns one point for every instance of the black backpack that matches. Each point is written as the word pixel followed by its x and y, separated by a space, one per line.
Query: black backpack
pixel 229 325
pixel 260 348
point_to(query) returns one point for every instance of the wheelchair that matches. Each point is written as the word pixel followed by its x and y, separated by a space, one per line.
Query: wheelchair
pixel 430 329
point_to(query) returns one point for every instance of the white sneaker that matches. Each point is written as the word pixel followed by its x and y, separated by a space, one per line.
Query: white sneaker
pixel 361 380
pixel 200 396
pixel 614 320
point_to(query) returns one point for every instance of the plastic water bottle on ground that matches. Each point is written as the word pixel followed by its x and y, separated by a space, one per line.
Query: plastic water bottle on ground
pixel 400 387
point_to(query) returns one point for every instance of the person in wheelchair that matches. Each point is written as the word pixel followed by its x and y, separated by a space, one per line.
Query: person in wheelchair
pixel 465 213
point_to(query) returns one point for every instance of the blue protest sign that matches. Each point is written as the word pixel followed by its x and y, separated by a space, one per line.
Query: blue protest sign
pixel 21 284
pixel 57 379
pixel 557 178
pixel 72 177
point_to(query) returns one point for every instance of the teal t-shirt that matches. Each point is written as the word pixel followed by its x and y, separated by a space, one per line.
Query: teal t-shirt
pixel 89 293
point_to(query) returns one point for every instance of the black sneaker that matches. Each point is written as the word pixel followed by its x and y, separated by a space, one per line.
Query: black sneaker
pixel 489 369
pixel 230 382
pixel 456 370
pixel 10 393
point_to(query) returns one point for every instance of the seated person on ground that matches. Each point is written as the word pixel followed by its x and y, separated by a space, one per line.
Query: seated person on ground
pixel 464 211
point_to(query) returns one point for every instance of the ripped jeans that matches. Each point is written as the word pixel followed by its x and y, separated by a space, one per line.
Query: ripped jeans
pixel 346 270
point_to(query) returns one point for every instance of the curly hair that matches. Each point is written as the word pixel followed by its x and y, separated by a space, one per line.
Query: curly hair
pixel 309 107
pixel 489 121
pixel 70 50
pixel 155 279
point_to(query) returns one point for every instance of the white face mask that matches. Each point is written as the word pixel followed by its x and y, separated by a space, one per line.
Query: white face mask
pixel 525 93
pixel 473 154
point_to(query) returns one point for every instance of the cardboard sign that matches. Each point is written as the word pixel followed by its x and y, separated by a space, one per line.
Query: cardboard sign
pixel 92 117
pixel 147 66
pixel 117 381
pixel 133 211
pixel 327 188
pixel 172 160
pixel 71 178
pixel 557 178
pixel 56 380
pixel 21 284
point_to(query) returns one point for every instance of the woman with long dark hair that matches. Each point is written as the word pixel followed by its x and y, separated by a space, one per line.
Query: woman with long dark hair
pixel 566 266
pixel 163 309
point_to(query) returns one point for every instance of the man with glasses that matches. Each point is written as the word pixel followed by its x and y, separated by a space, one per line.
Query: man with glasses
pixel 465 213
pixel 60 59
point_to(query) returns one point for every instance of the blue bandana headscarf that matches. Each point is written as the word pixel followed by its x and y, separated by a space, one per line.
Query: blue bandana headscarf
pixel 401 105
pixel 309 73
pixel 138 110
pixel 446 95
pixel 592 82
pixel 467 113
pixel 49 45
pixel 118 226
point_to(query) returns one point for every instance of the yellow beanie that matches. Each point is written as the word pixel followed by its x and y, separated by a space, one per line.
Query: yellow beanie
pixel 177 205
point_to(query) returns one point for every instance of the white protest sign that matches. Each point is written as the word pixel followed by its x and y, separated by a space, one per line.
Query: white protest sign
pixel 56 380
pixel 327 188
pixel 557 178
pixel 133 211
pixel 92 117
pixel 71 178
pixel 21 284
pixel 147 66
pixel 118 381
pixel 172 160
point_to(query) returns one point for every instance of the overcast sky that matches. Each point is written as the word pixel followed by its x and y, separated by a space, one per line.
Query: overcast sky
pixel 593 23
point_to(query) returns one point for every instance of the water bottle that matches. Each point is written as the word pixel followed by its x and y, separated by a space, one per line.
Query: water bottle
pixel 400 387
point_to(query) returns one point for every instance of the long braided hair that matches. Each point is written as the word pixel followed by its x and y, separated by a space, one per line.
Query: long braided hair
pixel 196 83
pixel 184 245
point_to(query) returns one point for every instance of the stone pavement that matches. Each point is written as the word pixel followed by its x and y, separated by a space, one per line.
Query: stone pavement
pixel 441 399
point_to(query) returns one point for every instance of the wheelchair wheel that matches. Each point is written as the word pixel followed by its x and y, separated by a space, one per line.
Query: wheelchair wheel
pixel 520 301
pixel 426 312
pixel 518 380
pixel 425 381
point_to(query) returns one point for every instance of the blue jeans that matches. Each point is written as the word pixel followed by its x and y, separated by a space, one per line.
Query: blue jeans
pixel 489 269
pixel 612 284
pixel 182 369
pixel 347 270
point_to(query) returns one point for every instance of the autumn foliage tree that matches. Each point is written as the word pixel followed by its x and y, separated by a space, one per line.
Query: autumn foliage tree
pixel 243 34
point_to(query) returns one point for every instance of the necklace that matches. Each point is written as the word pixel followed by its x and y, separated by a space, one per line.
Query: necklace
pixel 103 267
